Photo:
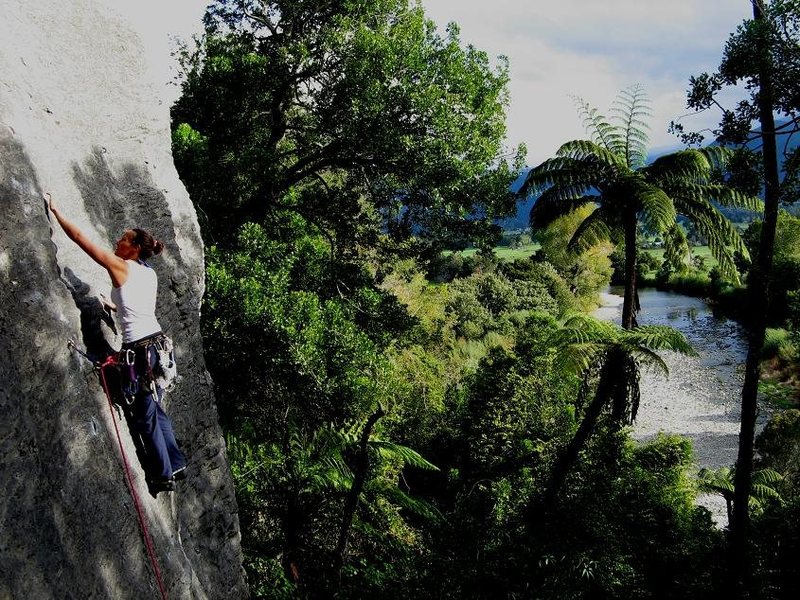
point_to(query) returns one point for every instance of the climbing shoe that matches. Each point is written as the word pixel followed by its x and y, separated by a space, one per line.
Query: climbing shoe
pixel 160 485
pixel 180 474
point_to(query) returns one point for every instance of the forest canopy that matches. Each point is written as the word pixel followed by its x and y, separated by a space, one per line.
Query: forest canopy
pixel 404 421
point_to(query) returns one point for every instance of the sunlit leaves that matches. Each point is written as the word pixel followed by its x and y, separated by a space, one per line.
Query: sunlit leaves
pixel 374 121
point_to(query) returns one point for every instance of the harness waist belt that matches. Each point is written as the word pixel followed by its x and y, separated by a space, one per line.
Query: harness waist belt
pixel 144 342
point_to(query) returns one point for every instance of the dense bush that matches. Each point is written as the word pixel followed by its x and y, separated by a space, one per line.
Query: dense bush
pixel 488 302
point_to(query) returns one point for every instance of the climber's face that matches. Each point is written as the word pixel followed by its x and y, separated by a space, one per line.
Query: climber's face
pixel 126 249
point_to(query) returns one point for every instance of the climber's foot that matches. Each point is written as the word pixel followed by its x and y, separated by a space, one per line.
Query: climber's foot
pixel 160 485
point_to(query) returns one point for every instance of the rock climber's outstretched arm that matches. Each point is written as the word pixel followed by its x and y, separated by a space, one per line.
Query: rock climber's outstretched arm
pixel 117 268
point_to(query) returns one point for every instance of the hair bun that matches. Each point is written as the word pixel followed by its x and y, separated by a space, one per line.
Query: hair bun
pixel 158 247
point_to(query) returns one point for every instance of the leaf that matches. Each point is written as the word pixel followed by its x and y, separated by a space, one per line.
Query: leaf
pixel 399 498
pixel 406 454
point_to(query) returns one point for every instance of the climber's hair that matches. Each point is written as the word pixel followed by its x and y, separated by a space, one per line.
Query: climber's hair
pixel 148 245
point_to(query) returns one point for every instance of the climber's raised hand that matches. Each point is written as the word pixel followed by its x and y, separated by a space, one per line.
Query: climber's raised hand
pixel 48 198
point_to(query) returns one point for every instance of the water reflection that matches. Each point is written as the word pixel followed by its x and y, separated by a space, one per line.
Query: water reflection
pixel 689 313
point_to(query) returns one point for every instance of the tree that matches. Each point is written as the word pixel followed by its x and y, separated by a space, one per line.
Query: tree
pixel 721 482
pixel 586 273
pixel 356 115
pixel 609 172
pixel 609 360
pixel 762 53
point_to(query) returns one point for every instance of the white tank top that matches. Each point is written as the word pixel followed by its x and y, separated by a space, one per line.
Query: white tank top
pixel 136 302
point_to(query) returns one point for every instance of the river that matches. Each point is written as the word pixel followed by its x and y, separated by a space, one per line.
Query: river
pixel 701 397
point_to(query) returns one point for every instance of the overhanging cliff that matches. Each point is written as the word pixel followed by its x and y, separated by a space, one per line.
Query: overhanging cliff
pixel 79 117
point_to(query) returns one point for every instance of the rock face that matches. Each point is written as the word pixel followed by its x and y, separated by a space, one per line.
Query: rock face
pixel 79 117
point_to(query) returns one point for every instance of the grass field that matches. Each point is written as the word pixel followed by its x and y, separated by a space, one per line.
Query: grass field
pixel 702 251
pixel 506 252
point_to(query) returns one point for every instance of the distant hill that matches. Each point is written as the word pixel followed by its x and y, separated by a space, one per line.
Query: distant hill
pixel 519 220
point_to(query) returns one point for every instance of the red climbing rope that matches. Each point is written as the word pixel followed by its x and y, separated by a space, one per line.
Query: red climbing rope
pixel 148 542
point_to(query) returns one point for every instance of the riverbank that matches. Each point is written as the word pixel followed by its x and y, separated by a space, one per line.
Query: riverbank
pixel 701 397
pixel 780 367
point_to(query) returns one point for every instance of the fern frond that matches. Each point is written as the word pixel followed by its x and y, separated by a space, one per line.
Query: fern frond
pixel 680 166
pixel 405 501
pixel 648 358
pixel 404 453
pixel 579 358
pixel 597 126
pixel 722 237
pixel 659 337
pixel 592 231
pixel 337 468
pixel 717 156
pixel 767 477
pixel 555 203
pixel 580 328
pixel 593 153
pixel 553 171
pixel 719 481
pixel 657 209
pixel 630 106
pixel 721 194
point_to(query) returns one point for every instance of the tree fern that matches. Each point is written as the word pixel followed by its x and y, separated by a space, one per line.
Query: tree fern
pixel 721 482
pixel 608 169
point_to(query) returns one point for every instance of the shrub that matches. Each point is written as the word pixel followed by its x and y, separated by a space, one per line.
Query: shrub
pixel 778 344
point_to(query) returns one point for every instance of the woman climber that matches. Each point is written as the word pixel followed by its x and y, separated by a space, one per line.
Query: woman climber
pixel 145 348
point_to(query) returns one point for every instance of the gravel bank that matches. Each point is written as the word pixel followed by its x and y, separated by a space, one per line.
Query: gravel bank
pixel 701 397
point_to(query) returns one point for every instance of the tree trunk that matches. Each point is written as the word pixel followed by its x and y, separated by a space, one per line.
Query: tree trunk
pixel 630 302
pixel 607 388
pixel 351 503
pixel 569 457
pixel 291 535
pixel 758 295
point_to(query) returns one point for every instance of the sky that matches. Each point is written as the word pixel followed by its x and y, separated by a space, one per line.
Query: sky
pixel 556 50
pixel 593 49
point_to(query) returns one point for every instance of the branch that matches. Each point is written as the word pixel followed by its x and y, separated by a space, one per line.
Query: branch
pixel 263 20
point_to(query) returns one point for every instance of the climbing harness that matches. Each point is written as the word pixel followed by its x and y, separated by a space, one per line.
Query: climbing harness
pixel 112 362
pixel 164 374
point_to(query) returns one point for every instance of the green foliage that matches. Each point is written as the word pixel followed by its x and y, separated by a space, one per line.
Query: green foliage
pixel 785 274
pixel 333 149
pixel 627 527
pixel 487 302
pixel 357 115
pixel 586 273
pixel 544 274
pixel 517 401
pixel 764 488
pixel 778 447
pixel 692 283
pixel 676 252
pixel 778 344
pixel 585 340
pixel 608 175
pixel 635 524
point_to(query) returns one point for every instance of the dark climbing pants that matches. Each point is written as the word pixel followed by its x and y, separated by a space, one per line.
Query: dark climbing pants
pixel 162 455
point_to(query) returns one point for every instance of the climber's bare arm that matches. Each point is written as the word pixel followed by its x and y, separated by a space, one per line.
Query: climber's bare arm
pixel 117 268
